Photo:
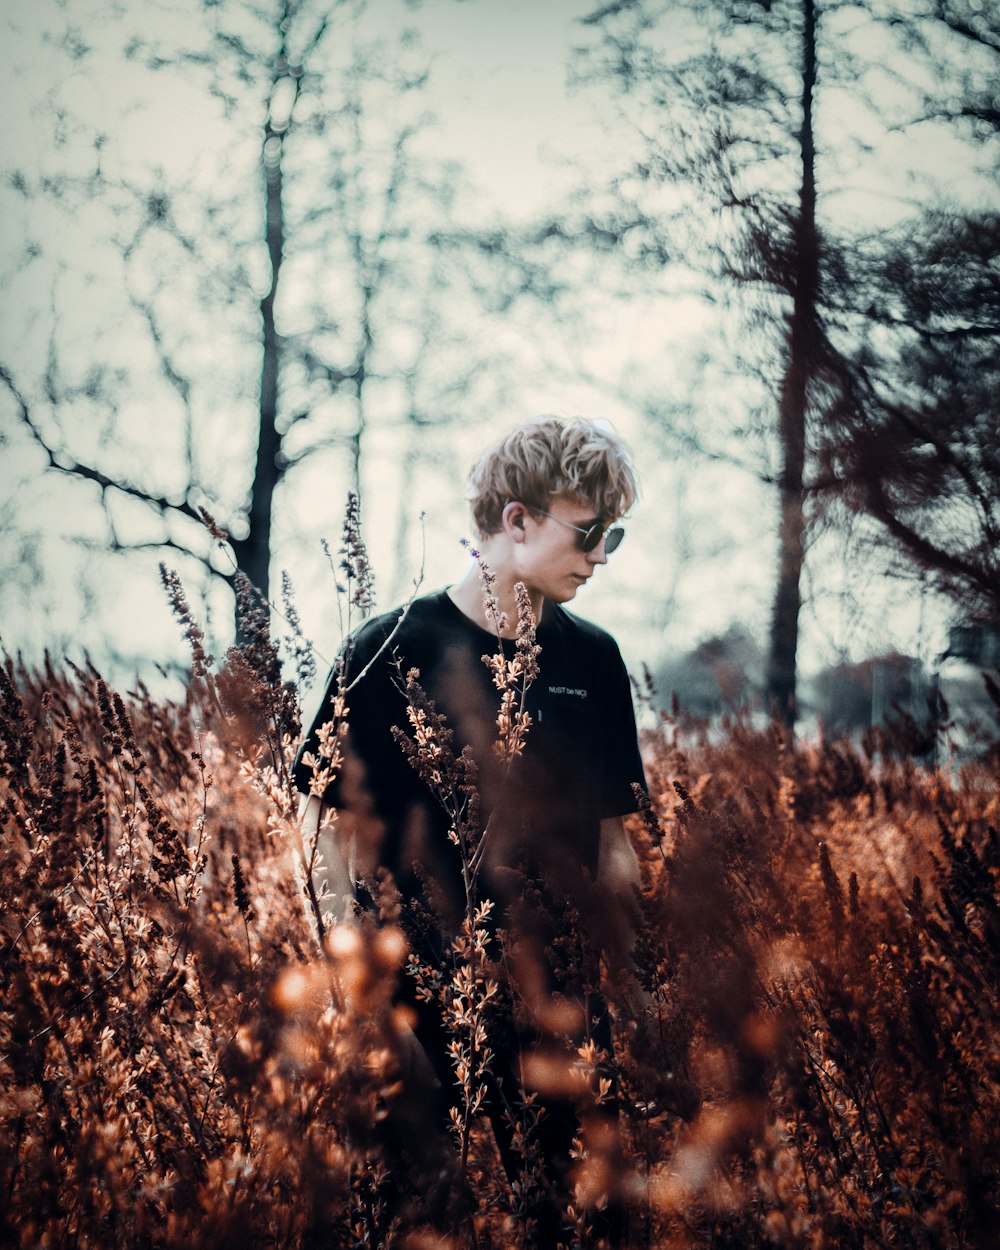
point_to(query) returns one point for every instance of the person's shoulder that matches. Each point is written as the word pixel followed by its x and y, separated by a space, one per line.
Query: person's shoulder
pixel 582 632
pixel 375 629
pixel 407 619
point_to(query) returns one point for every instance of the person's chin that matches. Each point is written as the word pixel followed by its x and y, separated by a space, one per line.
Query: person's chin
pixel 565 595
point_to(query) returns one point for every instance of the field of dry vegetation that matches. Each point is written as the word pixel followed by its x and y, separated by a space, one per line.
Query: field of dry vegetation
pixel 186 1061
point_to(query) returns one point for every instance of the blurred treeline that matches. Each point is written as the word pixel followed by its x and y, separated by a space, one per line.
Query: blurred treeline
pixel 785 266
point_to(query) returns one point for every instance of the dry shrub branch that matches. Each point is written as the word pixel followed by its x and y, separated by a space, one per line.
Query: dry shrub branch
pixel 187 1057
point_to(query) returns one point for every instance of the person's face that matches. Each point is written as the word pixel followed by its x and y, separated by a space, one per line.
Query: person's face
pixel 551 561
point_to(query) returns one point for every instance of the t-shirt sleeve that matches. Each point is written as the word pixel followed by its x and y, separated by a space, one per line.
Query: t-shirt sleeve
pixel 373 689
pixel 622 761
pixel 303 772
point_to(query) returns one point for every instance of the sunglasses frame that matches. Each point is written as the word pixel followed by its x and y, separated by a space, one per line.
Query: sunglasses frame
pixel 612 534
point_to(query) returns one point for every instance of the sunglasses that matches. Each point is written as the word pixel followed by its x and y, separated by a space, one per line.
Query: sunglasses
pixel 593 534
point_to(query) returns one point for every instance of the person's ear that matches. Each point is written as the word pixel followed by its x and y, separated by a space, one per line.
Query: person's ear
pixel 513 518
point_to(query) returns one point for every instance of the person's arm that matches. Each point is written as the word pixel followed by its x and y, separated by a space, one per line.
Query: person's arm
pixel 413 1101
pixel 619 880
pixel 617 862
pixel 337 845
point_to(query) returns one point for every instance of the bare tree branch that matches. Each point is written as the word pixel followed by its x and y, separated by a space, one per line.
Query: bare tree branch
pixel 63 461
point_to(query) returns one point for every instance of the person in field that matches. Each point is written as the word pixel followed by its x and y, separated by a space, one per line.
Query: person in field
pixel 553 855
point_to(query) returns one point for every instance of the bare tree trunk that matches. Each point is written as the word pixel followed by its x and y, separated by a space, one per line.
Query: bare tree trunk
pixel 253 554
pixel 802 345
pixel 360 379
pixel 257 556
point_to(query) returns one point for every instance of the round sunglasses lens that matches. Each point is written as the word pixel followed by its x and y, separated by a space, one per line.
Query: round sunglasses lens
pixel 591 538
pixel 612 539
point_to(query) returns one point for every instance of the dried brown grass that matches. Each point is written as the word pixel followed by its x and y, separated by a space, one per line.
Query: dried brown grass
pixel 183 1062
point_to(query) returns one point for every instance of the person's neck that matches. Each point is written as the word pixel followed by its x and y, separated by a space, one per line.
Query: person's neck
pixel 468 596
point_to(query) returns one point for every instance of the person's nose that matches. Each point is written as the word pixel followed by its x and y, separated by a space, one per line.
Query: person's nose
pixel 598 555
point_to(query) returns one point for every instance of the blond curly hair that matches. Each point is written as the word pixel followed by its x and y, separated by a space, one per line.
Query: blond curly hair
pixel 547 457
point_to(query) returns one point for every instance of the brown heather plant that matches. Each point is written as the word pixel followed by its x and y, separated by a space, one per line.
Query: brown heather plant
pixel 190 1054
pixel 466 989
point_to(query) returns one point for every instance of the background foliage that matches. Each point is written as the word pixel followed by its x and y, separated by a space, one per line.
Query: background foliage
pixel 183 1061
pixel 258 255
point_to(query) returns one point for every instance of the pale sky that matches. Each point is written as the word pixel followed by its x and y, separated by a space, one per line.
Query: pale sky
pixel 699 554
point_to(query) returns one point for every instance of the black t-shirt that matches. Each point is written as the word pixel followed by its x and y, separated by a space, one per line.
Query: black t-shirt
pixel 579 763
